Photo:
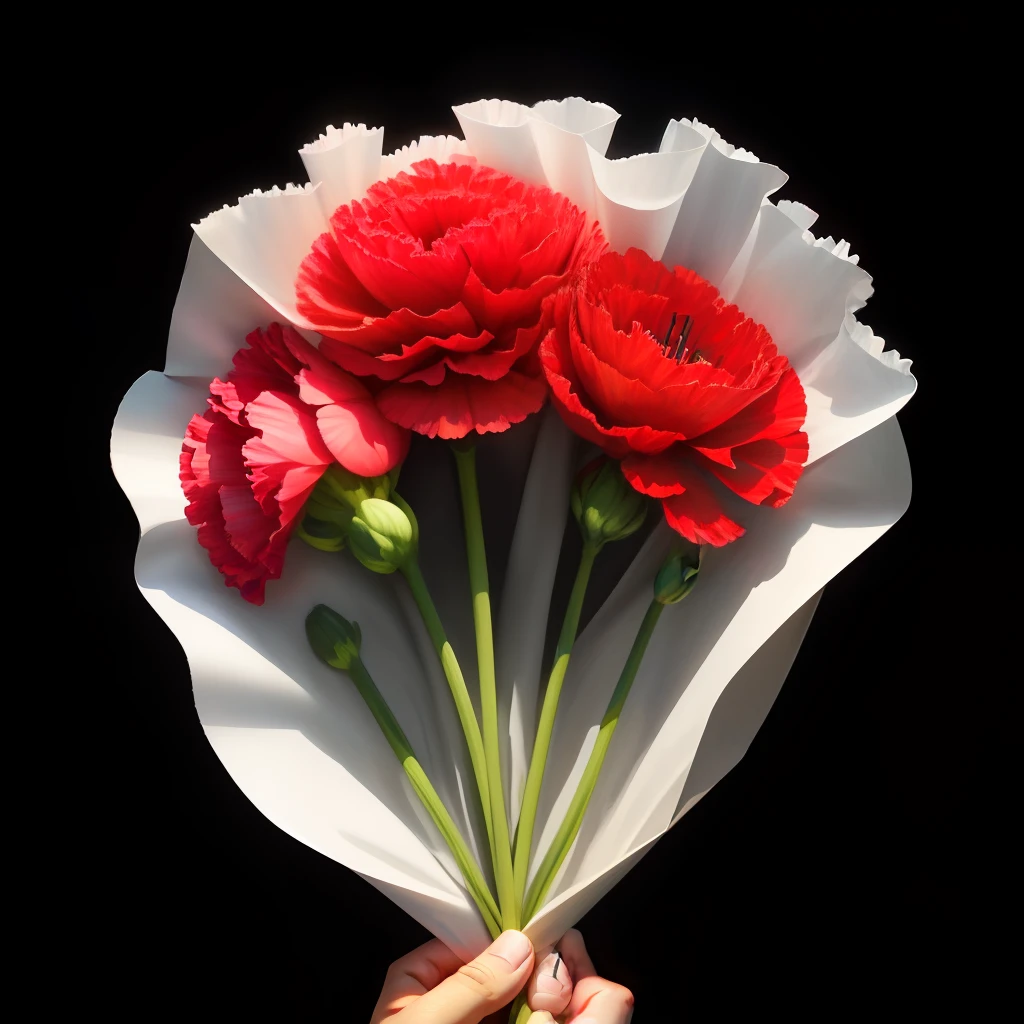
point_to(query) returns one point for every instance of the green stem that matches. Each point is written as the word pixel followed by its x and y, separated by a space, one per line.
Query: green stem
pixel 465 460
pixel 421 785
pixel 570 827
pixel 457 684
pixel 546 724
pixel 521 1011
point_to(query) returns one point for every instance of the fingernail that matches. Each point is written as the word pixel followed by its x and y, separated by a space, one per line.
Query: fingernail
pixel 513 947
pixel 540 1017
pixel 552 975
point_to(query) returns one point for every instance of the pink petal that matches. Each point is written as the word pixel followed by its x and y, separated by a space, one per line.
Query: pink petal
pixel 361 438
pixel 289 429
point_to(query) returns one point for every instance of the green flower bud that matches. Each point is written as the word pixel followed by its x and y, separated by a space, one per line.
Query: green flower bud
pixel 352 490
pixel 322 534
pixel 326 516
pixel 677 576
pixel 383 536
pixel 407 509
pixel 333 638
pixel 604 504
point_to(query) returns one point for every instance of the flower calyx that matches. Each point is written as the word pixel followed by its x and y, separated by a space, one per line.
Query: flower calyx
pixel 384 535
pixel 335 640
pixel 604 504
pixel 677 575
pixel 335 501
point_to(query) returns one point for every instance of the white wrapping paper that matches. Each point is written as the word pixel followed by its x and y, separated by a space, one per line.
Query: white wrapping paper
pixel 298 740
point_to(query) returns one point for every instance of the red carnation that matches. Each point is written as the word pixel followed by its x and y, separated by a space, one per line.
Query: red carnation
pixel 653 366
pixel 250 461
pixel 433 285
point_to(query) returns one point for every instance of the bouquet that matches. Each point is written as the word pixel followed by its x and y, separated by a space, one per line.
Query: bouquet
pixel 387 393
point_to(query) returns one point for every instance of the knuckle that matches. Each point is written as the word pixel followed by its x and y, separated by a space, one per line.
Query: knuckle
pixel 623 996
pixel 401 967
pixel 403 962
pixel 478 978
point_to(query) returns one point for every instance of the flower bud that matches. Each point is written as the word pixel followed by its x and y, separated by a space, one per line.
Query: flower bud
pixel 383 536
pixel 322 534
pixel 333 638
pixel 325 518
pixel 604 504
pixel 677 576
pixel 351 490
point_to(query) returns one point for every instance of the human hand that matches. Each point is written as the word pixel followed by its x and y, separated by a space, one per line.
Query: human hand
pixel 566 982
pixel 431 985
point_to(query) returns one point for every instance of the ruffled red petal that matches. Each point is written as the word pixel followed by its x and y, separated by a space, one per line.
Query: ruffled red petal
pixel 568 394
pixel 212 471
pixel 716 398
pixel 461 404
pixel 765 471
pixel 657 475
pixel 576 416
pixel 395 365
pixel 248 467
pixel 361 438
pixel 512 307
pixel 399 329
pixel 780 411
pixel 690 399
pixel 328 294
pixel 269 363
pixel 684 409
pixel 194 470
pixel 288 429
pixel 496 361
pixel 457 259
pixel 400 273
pixel 353 428
pixel 530 239
pixel 697 515
pixel 636 288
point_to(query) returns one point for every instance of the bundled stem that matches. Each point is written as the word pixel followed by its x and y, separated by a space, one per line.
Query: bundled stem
pixel 546 723
pixel 570 826
pixel 428 795
pixel 465 460
pixel 457 684
pixel 520 1012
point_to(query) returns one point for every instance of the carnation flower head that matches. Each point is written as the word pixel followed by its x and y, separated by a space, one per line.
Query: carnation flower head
pixel 273 428
pixel 656 368
pixel 432 285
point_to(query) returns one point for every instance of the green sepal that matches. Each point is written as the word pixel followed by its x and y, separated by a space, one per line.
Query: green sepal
pixel 604 504
pixel 334 639
pixel 382 535
pixel 322 535
pixel 352 490
pixel 677 575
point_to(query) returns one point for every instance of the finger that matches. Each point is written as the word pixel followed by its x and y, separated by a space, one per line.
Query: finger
pixel 577 959
pixel 541 1017
pixel 551 985
pixel 478 988
pixel 412 975
pixel 596 1001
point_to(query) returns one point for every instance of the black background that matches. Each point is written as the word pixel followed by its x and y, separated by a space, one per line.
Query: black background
pixel 828 869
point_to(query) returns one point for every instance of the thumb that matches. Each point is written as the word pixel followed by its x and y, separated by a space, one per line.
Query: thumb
pixel 478 988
